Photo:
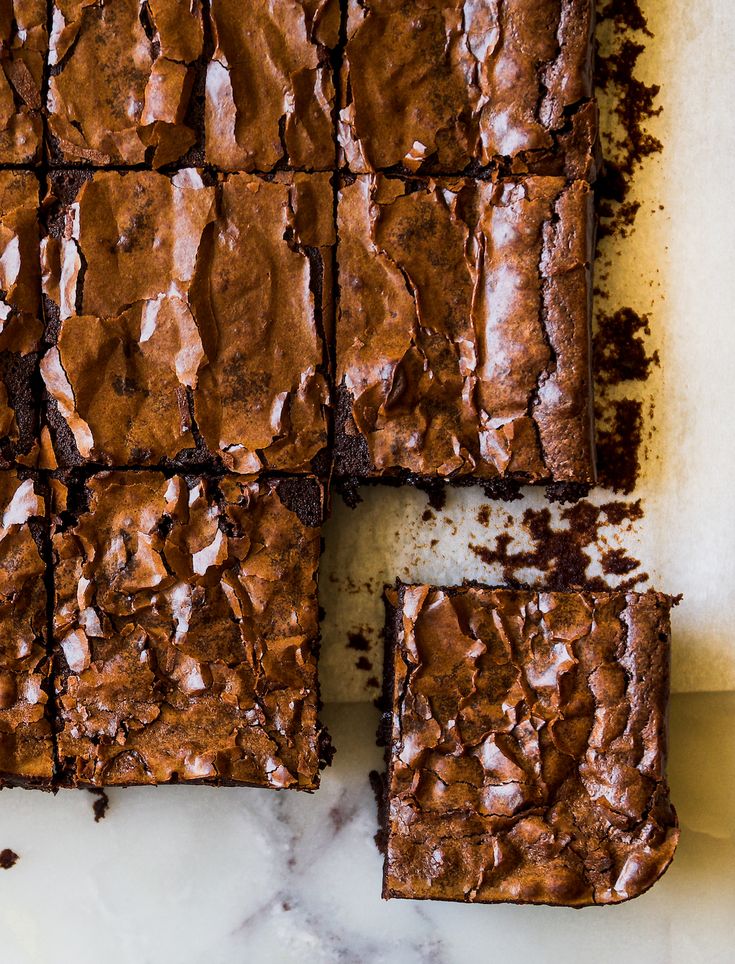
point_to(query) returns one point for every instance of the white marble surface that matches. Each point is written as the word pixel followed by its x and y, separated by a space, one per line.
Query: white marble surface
pixel 191 875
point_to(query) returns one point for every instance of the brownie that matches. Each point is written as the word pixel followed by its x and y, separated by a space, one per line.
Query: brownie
pixel 270 93
pixel 188 319
pixel 463 343
pixel 21 327
pixel 527 745
pixel 122 81
pixel 447 84
pixel 23 48
pixel 186 629
pixel 26 743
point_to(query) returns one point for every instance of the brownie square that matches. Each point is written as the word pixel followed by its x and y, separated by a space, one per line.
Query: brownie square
pixel 439 86
pixel 23 49
pixel 188 319
pixel 26 743
pixel 269 92
pixel 122 85
pixel 527 745
pixel 186 630
pixel 463 333
pixel 21 328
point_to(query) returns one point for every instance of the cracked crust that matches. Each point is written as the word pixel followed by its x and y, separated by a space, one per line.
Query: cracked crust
pixel 270 93
pixel 186 629
pixel 527 745
pixel 23 48
pixel 463 346
pixel 26 744
pixel 20 317
pixel 469 83
pixel 121 79
pixel 189 319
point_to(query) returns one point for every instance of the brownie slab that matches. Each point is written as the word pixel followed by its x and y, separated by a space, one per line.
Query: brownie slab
pixel 186 629
pixel 527 745
pixel 26 743
pixel 270 92
pixel 189 319
pixel 463 342
pixel 21 328
pixel 122 79
pixel 438 86
pixel 23 49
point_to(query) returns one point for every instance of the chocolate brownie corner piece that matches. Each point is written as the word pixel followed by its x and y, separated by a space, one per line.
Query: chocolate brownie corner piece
pixel 450 84
pixel 23 48
pixel 270 91
pixel 191 322
pixel 186 629
pixel 528 745
pixel 21 328
pixel 26 742
pixel 463 344
pixel 122 81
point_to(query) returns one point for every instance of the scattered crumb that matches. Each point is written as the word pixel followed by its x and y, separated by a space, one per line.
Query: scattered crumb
pixel 358 640
pixel 483 515
pixel 563 555
pixel 8 858
pixel 362 662
pixel 427 516
pixel 101 805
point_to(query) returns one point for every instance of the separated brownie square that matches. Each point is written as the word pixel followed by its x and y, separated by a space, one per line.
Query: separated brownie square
pixel 270 91
pixel 463 332
pixel 188 319
pixel 21 328
pixel 26 743
pixel 23 49
pixel 527 745
pixel 186 630
pixel 123 78
pixel 437 86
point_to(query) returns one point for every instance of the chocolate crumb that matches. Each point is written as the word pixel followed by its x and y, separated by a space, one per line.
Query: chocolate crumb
pixel 101 805
pixel 8 858
pixel 563 555
pixel 363 662
pixel 619 440
pixel 619 348
pixel 483 515
pixel 427 515
pixel 358 641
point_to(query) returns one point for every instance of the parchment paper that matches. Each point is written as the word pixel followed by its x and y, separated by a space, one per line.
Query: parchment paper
pixel 676 267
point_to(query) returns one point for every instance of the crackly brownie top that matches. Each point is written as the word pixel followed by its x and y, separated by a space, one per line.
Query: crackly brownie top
pixel 122 74
pixel 23 48
pixel 458 82
pixel 270 93
pixel 20 314
pixel 189 316
pixel 26 747
pixel 528 746
pixel 186 621
pixel 463 333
